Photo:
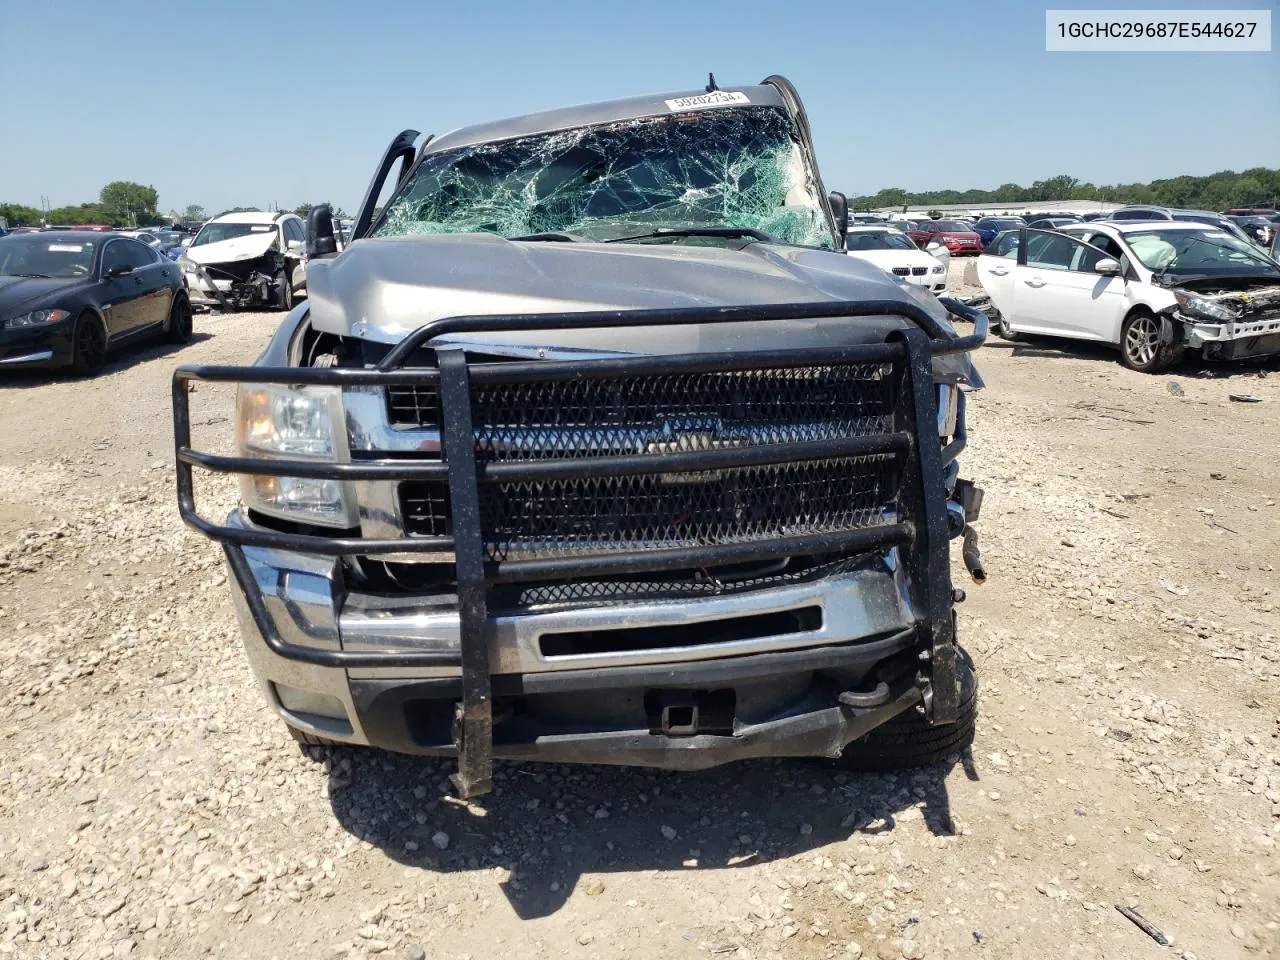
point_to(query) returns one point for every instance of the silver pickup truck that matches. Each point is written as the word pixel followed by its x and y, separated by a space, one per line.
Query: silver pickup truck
pixel 593 447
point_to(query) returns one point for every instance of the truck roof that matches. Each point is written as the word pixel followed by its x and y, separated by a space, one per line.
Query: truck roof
pixel 606 111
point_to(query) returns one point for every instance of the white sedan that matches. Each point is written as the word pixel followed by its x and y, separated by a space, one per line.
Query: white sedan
pixel 894 252
pixel 1152 288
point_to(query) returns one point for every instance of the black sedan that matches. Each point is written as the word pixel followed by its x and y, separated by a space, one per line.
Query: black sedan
pixel 69 296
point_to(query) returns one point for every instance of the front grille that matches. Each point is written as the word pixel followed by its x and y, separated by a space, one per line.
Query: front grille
pixel 902 271
pixel 667 414
pixel 609 514
pixel 424 505
pixel 919 271
pixel 414 405
pixel 564 595
pixel 662 415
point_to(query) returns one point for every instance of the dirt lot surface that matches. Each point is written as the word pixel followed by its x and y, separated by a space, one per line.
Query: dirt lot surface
pixel 1128 645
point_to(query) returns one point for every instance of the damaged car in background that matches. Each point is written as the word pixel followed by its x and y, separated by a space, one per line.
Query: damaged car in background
pixel 253 259
pixel 1155 289
pixel 593 446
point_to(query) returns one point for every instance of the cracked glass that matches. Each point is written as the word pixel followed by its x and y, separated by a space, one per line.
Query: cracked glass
pixel 740 168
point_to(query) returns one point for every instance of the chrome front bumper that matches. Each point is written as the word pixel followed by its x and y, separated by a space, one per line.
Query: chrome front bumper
pixel 306 599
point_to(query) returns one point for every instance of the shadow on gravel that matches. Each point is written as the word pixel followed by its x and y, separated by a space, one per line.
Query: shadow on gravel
pixel 550 825
pixel 119 359
pixel 1052 347
pixel 1191 365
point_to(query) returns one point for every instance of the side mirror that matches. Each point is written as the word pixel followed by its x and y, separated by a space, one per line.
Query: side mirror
pixel 120 270
pixel 1107 267
pixel 935 245
pixel 187 241
pixel 840 212
pixel 320 239
pixel 294 246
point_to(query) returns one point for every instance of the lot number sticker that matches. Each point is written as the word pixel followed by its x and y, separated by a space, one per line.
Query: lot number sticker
pixel 719 98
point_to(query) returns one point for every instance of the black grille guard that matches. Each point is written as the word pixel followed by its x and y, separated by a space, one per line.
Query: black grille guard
pixel 922 523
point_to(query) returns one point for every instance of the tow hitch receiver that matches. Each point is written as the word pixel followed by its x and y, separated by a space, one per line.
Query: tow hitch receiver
pixel 688 713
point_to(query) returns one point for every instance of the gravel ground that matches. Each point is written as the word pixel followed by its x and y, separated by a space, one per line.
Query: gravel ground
pixel 151 805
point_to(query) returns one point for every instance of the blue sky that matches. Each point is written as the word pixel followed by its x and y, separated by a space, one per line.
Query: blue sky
pixel 253 103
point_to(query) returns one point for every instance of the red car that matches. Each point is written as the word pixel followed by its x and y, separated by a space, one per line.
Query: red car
pixel 959 240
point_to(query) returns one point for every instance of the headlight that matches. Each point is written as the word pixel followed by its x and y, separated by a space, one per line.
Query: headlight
pixel 37 318
pixel 305 423
pixel 1219 310
pixel 940 268
pixel 187 266
pixel 948 409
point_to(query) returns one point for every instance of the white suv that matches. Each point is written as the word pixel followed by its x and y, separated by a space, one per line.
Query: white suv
pixel 249 259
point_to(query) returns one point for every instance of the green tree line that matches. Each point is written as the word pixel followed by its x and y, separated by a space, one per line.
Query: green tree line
pixel 120 203
pixel 1256 187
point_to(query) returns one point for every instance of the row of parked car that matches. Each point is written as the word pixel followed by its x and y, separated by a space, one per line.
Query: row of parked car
pixel 1155 282
pixel 70 294
pixel 1256 225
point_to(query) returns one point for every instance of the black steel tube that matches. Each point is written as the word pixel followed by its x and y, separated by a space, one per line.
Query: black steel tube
pixel 922 499
pixel 316 470
pixel 181 439
pixel 473 719
pixel 953 449
pixel 972 558
pixel 685 558
pixel 319 376
pixel 551 371
pixel 981 323
pixel 324 546
pixel 347 659
pixel 694 460
pixel 657 318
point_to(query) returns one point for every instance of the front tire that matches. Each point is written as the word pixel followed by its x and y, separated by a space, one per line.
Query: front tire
pixel 1140 346
pixel 908 740
pixel 178 328
pixel 90 345
pixel 286 289
pixel 1002 329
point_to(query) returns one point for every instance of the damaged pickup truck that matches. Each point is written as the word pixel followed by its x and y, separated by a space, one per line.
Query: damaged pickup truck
pixel 593 447
pixel 249 259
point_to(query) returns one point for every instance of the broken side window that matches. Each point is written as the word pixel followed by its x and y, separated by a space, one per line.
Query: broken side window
pixel 720 168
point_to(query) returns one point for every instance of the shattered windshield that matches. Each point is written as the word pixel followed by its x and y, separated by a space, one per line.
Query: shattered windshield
pixel 738 167
pixel 217 232
pixel 1211 252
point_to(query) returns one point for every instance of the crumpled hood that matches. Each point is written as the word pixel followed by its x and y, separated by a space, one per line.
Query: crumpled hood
pixel 237 248
pixel 382 289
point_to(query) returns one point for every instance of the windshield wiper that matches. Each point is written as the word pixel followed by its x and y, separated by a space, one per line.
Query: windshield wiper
pixel 34 276
pixel 732 233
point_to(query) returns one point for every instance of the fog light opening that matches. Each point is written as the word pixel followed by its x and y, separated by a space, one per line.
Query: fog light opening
pixel 319 710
